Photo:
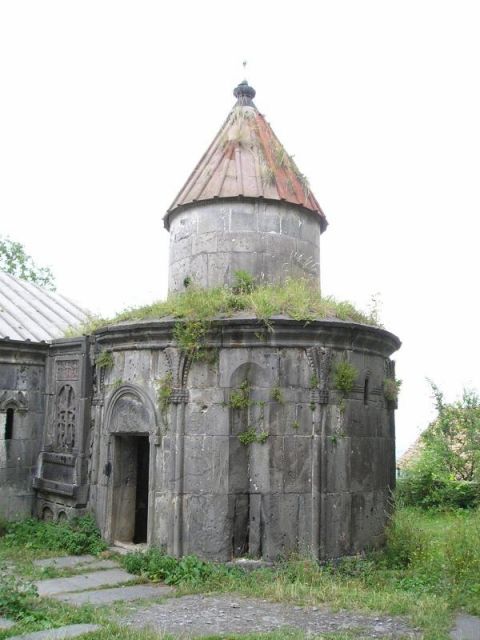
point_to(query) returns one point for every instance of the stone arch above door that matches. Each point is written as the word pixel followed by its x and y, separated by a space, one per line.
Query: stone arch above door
pixel 130 410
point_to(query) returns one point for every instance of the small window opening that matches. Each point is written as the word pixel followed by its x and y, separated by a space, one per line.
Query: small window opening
pixel 9 424
pixel 365 391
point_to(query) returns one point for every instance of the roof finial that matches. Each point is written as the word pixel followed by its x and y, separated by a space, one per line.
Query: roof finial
pixel 244 92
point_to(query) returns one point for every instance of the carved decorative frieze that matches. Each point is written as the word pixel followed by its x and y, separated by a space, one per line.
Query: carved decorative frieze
pixel 320 361
pixel 179 396
pixel 390 368
pixel 179 363
pixel 67 370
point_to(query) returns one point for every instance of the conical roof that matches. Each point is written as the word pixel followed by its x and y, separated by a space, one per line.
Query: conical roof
pixel 246 160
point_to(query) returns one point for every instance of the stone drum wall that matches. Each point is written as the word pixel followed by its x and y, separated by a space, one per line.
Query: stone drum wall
pixel 269 240
pixel 255 451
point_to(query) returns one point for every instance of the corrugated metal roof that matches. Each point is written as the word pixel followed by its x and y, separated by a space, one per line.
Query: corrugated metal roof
pixel 246 159
pixel 28 312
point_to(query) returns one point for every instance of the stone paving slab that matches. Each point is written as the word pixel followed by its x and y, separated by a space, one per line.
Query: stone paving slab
pixel 191 616
pixel 68 562
pixel 82 582
pixel 70 631
pixel 64 562
pixel 466 628
pixel 5 623
pixel 107 596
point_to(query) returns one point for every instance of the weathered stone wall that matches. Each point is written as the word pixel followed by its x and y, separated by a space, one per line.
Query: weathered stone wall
pixel 317 479
pixel 22 409
pixel 61 476
pixel 210 241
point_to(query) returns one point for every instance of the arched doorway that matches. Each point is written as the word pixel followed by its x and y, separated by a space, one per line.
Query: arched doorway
pixel 130 420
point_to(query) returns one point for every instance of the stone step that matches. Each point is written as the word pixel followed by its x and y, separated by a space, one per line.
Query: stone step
pixel 69 631
pixel 68 563
pixel 107 596
pixel 65 562
pixel 83 581
pixel 5 623
pixel 466 628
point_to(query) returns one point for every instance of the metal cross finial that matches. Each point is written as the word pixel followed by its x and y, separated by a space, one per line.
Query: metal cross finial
pixel 244 63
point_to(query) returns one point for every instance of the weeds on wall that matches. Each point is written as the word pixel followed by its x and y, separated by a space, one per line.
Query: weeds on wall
pixel 104 359
pixel 391 389
pixel 240 401
pixel 277 395
pixel 344 376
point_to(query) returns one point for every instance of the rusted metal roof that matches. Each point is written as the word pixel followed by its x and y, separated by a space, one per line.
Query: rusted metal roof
pixel 28 312
pixel 246 160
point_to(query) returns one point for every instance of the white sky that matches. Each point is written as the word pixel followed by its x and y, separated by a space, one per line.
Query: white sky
pixel 106 106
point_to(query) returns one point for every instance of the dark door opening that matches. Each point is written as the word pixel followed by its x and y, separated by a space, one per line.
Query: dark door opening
pixel 141 498
pixel 130 488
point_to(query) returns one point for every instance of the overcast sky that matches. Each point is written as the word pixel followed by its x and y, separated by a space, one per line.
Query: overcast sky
pixel 106 106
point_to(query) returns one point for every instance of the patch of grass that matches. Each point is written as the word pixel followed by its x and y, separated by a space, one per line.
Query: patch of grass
pixel 76 537
pixel 295 298
pixel 430 568
pixel 16 595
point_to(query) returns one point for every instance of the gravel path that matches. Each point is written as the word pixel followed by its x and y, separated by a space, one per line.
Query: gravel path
pixel 210 615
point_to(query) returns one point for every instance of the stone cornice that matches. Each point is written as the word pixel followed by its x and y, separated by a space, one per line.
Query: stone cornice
pixel 250 332
pixel 23 352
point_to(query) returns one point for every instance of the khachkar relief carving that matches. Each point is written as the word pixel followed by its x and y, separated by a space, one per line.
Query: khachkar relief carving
pixel 179 363
pixel 67 369
pixel 65 419
pixel 320 361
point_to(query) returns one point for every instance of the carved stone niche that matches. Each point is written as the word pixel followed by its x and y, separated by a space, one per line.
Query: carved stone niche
pixel 13 400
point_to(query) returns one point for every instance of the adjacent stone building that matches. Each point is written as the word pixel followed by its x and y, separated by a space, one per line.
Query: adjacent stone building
pixel 257 450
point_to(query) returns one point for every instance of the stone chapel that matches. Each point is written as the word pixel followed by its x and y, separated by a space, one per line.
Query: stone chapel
pixel 83 427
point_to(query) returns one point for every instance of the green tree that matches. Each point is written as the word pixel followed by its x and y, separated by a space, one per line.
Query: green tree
pixel 453 438
pixel 446 471
pixel 15 261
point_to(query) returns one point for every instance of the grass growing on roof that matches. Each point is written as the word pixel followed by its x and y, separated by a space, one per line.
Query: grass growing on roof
pixel 295 298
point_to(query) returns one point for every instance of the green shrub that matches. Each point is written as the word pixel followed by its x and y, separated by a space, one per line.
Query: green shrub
pixel 76 537
pixel 422 488
pixel 156 565
pixel 16 595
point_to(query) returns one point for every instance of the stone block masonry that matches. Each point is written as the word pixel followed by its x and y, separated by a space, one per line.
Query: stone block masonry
pixel 210 241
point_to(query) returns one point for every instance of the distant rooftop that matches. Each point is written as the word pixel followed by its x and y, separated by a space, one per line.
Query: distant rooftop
pixel 246 160
pixel 28 312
